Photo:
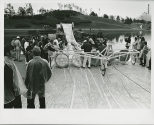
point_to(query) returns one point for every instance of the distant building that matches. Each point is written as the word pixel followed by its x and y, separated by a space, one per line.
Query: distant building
pixel 146 15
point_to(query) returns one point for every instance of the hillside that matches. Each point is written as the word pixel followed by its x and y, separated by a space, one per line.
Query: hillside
pixel 65 16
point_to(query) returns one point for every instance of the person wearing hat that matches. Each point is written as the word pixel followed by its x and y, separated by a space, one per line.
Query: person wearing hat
pixel 18 47
pixel 37 74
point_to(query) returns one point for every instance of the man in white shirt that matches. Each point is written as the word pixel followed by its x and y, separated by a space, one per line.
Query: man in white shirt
pixel 26 44
pixel 56 43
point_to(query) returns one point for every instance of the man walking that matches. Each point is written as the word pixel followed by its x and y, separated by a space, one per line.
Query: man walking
pixel 38 73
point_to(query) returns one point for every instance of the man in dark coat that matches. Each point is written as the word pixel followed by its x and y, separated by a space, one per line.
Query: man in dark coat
pixel 38 73
pixel 87 47
pixel 128 42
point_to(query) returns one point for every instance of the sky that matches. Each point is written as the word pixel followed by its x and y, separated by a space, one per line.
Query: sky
pixel 123 8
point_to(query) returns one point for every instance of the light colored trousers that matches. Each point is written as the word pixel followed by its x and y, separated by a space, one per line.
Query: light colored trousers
pixel 85 61
pixel 103 61
pixel 18 55
pixel 51 56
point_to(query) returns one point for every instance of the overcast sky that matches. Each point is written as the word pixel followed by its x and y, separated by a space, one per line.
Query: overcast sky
pixel 123 8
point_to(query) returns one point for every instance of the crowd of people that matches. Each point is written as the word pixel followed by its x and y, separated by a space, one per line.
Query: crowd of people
pixel 38 73
pixel 38 52
pixel 89 45
pixel 46 45
pixel 104 46
pixel 140 45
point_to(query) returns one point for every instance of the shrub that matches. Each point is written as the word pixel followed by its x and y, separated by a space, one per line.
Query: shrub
pixel 62 14
pixel 32 32
pixel 22 25
pixel 21 17
pixel 39 17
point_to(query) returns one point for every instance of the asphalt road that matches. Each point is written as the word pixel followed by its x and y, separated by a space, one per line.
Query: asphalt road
pixel 123 87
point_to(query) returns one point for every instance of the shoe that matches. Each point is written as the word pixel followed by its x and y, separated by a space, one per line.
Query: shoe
pixel 149 68
pixel 19 60
pixel 143 65
pixel 89 67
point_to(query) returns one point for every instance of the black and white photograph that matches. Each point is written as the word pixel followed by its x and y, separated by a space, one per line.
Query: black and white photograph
pixel 77 55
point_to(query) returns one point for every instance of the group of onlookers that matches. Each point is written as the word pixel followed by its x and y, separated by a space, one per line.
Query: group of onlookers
pixel 38 70
pixel 46 45
pixel 104 46
pixel 38 52
pixel 89 45
pixel 49 46
pixel 93 47
pixel 37 74
pixel 140 44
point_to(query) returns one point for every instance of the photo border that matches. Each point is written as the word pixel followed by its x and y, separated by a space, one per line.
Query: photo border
pixel 72 116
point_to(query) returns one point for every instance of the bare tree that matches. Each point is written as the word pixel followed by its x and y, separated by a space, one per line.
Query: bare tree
pixel 21 11
pixel 118 18
pixel 9 10
pixel 111 17
pixel 29 9
pixel 106 16
pixel 42 11
pixel 93 14
pixel 60 6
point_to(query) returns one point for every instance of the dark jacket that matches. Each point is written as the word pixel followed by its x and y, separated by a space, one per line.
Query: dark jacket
pixel 87 47
pixel 144 52
pixel 9 94
pixel 38 73
pixel 13 82
pixel 101 48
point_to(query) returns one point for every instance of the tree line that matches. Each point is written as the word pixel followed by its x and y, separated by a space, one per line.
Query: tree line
pixel 22 11
pixel 27 10
pixel 126 20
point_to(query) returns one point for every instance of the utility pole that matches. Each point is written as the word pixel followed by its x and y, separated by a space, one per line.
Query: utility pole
pixel 148 8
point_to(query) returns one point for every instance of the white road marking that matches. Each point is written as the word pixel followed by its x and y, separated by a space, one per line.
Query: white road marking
pixel 110 92
pixel 89 88
pixel 100 90
pixel 65 74
pixel 74 88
